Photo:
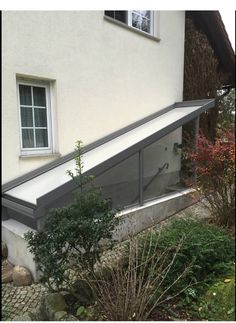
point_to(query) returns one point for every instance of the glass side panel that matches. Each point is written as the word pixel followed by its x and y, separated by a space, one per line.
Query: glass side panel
pixel 121 182
pixel 161 166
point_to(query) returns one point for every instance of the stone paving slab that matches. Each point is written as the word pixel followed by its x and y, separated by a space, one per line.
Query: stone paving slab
pixel 19 300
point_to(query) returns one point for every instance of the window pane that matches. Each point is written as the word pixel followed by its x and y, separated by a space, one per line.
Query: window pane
pixel 143 13
pixel 146 25
pixel 110 13
pixel 121 16
pixel 146 13
pixel 26 117
pixel 136 21
pixel 121 182
pixel 27 138
pixel 118 15
pixel 25 95
pixel 40 117
pixel 141 20
pixel 41 137
pixel 39 96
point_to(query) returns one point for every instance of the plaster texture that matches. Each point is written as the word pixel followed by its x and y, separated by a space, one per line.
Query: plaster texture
pixel 102 77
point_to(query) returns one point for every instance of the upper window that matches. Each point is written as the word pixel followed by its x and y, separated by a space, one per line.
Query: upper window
pixel 34 117
pixel 141 20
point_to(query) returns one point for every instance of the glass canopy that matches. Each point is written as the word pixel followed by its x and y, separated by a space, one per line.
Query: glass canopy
pixel 112 152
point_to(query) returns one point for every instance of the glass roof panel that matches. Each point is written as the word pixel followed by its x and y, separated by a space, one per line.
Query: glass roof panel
pixel 36 187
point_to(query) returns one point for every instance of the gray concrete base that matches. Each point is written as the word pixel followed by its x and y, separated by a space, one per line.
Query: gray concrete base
pixel 136 219
pixel 133 220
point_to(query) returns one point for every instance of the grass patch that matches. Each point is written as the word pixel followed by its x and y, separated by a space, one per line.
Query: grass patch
pixel 218 303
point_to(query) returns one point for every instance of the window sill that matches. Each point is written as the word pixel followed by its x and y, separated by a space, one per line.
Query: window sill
pixel 56 155
pixel 137 31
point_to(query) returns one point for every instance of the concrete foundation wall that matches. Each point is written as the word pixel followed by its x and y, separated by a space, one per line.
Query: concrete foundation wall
pixel 140 218
pixel 132 221
pixel 18 254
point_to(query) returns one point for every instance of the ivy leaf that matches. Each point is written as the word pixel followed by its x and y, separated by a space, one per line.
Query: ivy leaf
pixel 80 311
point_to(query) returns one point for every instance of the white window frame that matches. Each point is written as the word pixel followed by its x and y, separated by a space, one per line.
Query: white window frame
pixel 36 150
pixel 151 22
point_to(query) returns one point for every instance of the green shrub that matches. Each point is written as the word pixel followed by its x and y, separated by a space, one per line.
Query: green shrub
pixel 206 248
pixel 72 235
pixel 158 266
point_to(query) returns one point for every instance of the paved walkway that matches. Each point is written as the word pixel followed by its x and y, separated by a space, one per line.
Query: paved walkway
pixel 18 300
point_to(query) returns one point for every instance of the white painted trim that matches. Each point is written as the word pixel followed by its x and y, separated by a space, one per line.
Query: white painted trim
pixel 156 24
pixel 53 114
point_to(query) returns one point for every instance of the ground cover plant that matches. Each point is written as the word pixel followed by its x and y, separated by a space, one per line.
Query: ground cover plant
pixel 162 275
pixel 218 302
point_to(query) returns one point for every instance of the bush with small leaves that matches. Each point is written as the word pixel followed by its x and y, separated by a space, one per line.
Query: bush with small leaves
pixel 72 235
pixel 207 248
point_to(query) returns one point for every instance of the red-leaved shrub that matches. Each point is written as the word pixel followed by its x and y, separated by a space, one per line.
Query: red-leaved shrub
pixel 214 164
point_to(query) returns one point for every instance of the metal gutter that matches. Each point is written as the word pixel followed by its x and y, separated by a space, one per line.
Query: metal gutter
pixel 18 207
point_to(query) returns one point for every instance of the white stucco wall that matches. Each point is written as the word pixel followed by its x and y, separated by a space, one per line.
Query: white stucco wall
pixel 104 77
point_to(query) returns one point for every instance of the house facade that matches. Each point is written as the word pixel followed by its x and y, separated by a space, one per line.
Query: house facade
pixel 91 74
pixel 113 79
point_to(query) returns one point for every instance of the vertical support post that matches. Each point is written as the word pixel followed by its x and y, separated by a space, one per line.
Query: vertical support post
pixel 195 141
pixel 141 177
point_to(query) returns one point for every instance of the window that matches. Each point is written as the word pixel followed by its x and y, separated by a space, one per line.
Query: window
pixel 141 20
pixel 34 109
pixel 118 15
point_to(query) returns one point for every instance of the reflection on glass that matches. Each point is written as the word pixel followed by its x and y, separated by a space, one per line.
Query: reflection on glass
pixel 141 20
pixel 120 183
pixel 145 25
pixel 136 21
pixel 161 167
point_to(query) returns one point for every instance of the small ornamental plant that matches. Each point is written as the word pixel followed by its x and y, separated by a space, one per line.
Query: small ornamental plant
pixel 214 164
pixel 72 235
